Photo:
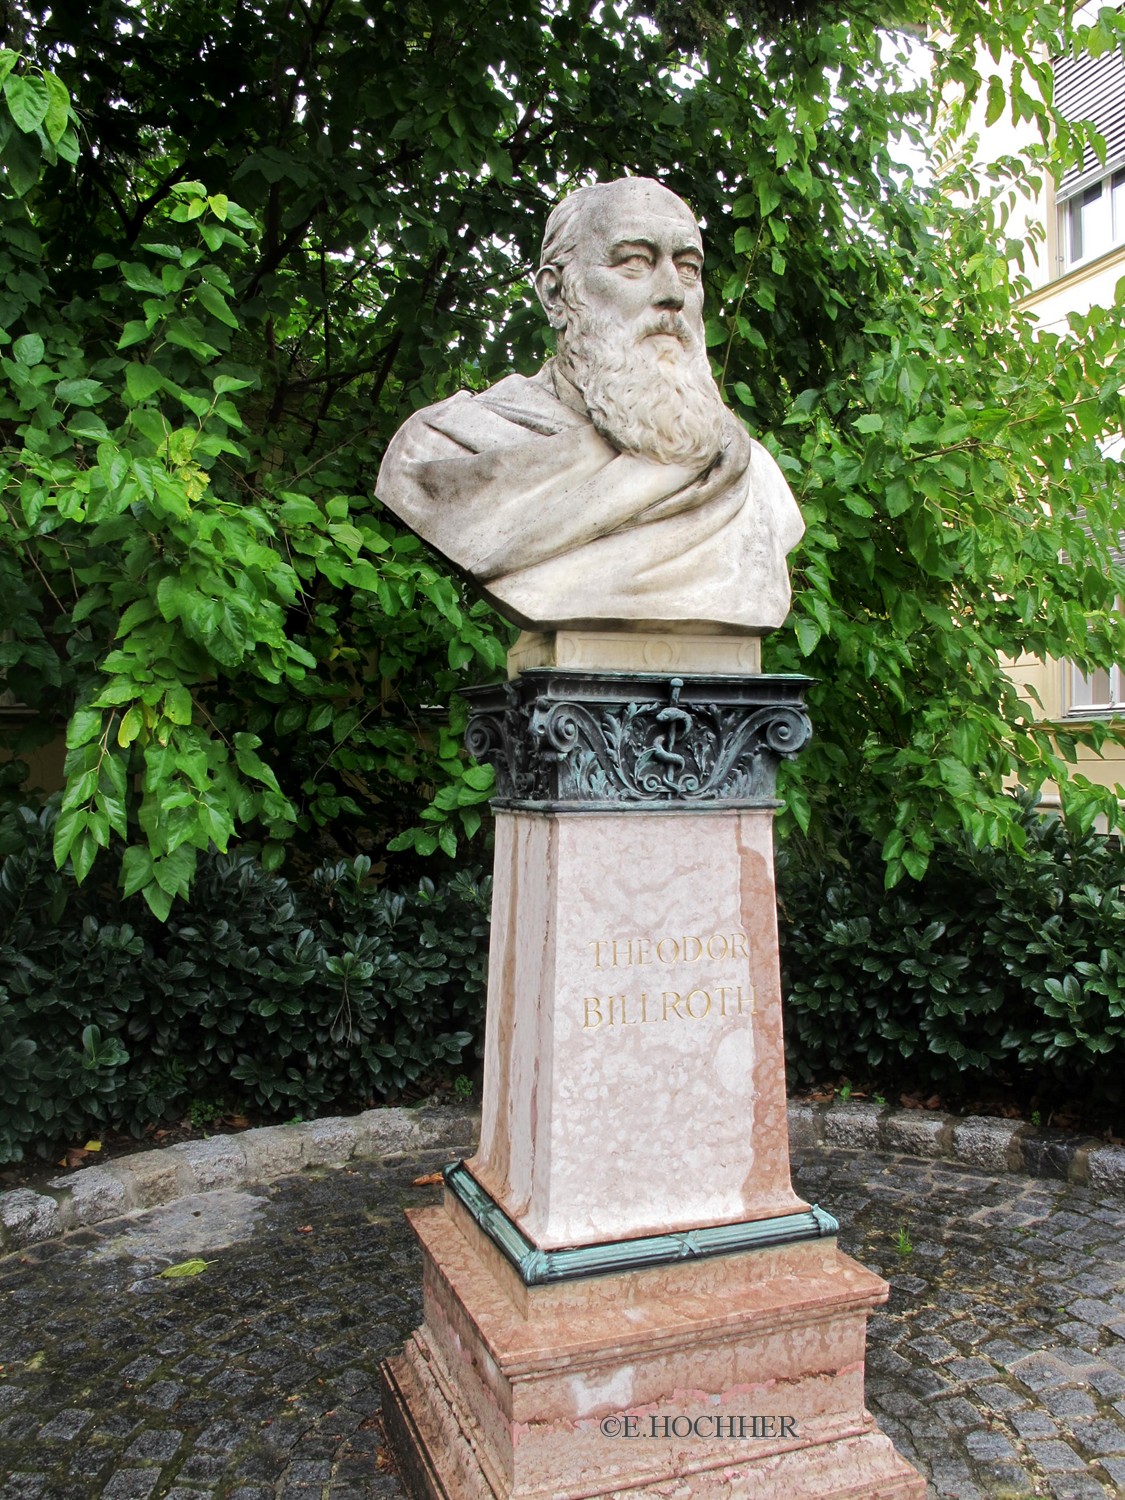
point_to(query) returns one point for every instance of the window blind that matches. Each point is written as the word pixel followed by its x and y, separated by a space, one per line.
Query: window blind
pixel 1092 88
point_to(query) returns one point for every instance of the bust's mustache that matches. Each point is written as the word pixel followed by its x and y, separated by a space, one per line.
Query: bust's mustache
pixel 670 325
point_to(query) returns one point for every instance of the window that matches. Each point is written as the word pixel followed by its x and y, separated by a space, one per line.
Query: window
pixel 1092 221
pixel 1100 692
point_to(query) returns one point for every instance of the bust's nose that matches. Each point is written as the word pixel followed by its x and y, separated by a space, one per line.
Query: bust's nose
pixel 667 288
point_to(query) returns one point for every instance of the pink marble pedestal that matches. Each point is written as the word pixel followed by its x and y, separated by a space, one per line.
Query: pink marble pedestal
pixel 634 1097
pixel 740 1376
pixel 634 1063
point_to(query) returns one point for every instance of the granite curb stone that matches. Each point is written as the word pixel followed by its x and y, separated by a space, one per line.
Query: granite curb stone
pixel 151 1178
pixel 26 1217
pixel 990 1144
pixel 919 1132
pixel 1105 1168
pixel 806 1126
pixel 853 1124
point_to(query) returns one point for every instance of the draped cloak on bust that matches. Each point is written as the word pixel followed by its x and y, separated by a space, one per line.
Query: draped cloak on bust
pixel 490 480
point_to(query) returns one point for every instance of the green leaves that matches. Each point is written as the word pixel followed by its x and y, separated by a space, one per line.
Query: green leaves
pixel 996 100
pixel 57 116
pixel 140 278
pixel 85 725
pixel 80 392
pixel 769 196
pixel 251 764
pixel 216 304
pixel 147 498
pixel 994 963
pixel 142 381
pixel 28 100
pixel 945 466
pixel 194 1267
pixel 35 123
pixel 808 633
pixel 29 349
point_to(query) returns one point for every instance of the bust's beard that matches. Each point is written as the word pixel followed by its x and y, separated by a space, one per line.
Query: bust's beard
pixel 644 396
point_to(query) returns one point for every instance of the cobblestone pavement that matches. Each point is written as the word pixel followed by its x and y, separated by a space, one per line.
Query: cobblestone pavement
pixel 998 1366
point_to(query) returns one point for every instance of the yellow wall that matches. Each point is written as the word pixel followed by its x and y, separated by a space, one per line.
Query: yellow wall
pixel 1048 679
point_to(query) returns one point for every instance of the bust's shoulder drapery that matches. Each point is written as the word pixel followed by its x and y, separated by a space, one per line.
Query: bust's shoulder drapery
pixel 521 493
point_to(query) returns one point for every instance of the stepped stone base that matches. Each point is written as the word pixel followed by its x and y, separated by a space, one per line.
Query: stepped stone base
pixel 738 1377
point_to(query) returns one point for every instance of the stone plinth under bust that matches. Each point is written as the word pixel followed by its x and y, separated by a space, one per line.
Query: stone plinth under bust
pixel 634 957
pixel 671 651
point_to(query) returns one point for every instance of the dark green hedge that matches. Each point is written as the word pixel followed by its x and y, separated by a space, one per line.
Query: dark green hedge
pixel 995 967
pixel 273 996
pixel 330 992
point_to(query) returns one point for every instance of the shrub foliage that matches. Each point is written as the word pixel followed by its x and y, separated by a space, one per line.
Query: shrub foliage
pixel 993 967
pixel 297 997
pixel 278 997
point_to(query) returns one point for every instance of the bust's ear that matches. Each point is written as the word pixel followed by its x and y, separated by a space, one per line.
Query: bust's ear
pixel 548 285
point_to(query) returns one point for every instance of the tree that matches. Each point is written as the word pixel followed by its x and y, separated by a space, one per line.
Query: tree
pixel 241 242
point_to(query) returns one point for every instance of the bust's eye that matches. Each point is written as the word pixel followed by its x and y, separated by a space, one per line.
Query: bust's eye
pixel 690 270
pixel 636 260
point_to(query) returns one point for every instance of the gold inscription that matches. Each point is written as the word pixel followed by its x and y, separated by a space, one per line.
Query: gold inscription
pixel 625 953
pixel 670 1005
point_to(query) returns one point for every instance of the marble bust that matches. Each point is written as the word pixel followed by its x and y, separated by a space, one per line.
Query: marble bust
pixel 612 489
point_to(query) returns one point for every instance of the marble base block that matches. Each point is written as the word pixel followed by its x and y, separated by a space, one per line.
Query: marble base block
pixel 636 651
pixel 634 1063
pixel 739 1376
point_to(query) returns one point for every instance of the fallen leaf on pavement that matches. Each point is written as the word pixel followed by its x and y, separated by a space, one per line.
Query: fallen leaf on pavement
pixel 429 1180
pixel 185 1268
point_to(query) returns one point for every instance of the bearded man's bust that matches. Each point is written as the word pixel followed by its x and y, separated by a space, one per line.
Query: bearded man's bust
pixel 613 488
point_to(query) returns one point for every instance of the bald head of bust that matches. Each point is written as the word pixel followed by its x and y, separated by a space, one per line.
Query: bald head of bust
pixel 579 216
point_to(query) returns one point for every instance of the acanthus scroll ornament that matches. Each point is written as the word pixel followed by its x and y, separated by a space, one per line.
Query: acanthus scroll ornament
pixel 585 740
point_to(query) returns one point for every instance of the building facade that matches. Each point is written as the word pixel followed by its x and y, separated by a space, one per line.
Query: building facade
pixel 1075 232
